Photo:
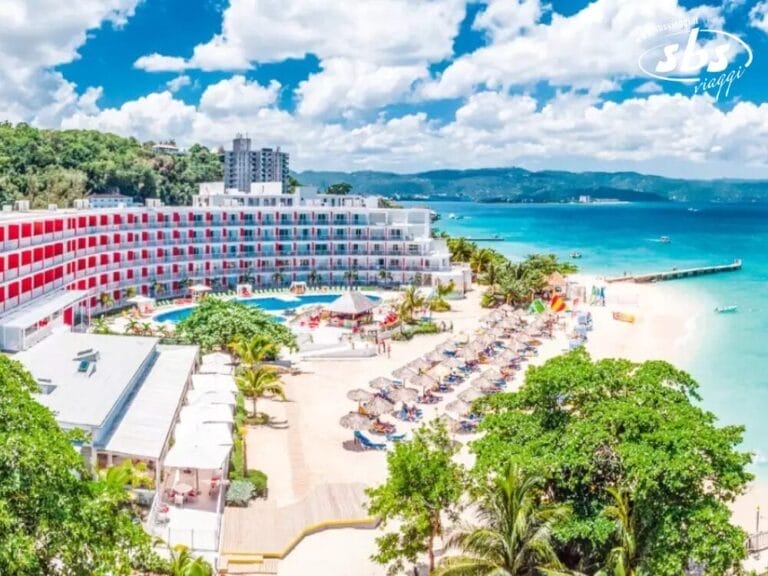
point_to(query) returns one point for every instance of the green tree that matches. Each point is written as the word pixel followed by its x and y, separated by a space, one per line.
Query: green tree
pixel 254 350
pixel 438 303
pixel 184 564
pixel 588 426
pixel 461 249
pixel 255 383
pixel 100 326
pixel 423 485
pixel 55 516
pixel 215 323
pixel 106 300
pixel 514 537
pixel 410 302
pixel 339 189
pixel 624 557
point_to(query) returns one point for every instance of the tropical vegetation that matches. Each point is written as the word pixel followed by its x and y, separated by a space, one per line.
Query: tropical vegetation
pixel 507 282
pixel 59 166
pixel 604 468
pixel 56 517
pixel 255 382
pixel 216 323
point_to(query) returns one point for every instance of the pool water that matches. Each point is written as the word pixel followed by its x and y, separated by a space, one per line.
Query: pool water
pixel 268 304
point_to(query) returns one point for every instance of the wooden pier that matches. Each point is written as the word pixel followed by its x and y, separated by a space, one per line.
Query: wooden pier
pixel 676 274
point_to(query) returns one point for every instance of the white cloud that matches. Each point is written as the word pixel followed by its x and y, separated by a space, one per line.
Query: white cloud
pixel 178 83
pixel 371 51
pixel 758 16
pixel 345 84
pixel 505 19
pixel 649 87
pixel 602 41
pixel 236 96
pixel 37 35
pixel 159 63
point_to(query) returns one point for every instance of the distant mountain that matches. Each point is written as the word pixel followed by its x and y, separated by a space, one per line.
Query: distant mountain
pixel 519 185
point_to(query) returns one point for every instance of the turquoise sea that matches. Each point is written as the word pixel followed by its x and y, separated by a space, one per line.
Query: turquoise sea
pixel 731 360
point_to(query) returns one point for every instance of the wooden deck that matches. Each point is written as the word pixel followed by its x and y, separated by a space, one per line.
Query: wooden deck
pixel 264 531
pixel 677 274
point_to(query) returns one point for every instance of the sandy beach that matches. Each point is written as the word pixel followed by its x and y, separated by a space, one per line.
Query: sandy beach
pixel 305 447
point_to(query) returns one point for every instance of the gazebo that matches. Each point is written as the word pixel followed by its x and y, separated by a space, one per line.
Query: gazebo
pixel 198 290
pixel 144 304
pixel 352 306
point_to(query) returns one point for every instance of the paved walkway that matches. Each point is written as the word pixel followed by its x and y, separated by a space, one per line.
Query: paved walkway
pixel 266 530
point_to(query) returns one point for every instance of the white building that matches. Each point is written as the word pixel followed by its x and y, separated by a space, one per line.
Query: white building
pixel 243 166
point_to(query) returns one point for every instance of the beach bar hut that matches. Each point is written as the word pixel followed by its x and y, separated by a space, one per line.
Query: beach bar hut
pixel 353 306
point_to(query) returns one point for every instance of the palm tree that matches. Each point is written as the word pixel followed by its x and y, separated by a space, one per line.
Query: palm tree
pixel 438 303
pixel 623 558
pixel 100 326
pixel 252 351
pixel 411 302
pixel 255 383
pixel 480 260
pixel 106 300
pixel 491 274
pixel 461 249
pixel 385 276
pixel 350 276
pixel 515 538
pixel 146 329
pixel 130 292
pixel 133 326
pixel 278 278
pixel 313 277
pixel 184 564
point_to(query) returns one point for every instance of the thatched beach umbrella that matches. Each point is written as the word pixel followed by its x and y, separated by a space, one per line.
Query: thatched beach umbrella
pixel 453 363
pixel 419 364
pixel 491 374
pixel 458 407
pixel 379 406
pixel 359 395
pixel 450 422
pixel 435 356
pixel 381 383
pixel 405 373
pixel 467 354
pixel 471 394
pixel 423 380
pixel 355 421
pixel 484 385
pixel 404 394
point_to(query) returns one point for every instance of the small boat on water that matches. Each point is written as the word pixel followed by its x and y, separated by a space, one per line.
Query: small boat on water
pixel 726 309
pixel 575 255
pixel 665 240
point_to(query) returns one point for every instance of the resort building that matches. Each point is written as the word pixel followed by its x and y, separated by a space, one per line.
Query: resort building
pixel 243 166
pixel 61 267
pixel 110 200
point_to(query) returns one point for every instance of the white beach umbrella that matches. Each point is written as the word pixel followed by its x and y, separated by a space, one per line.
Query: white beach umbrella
pixel 359 395
pixel 404 373
pixel 381 382
pixel 355 421
pixel 403 394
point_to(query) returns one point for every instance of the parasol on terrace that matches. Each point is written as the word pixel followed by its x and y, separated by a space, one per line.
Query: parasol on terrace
pixel 359 395
pixel 381 382
pixel 355 421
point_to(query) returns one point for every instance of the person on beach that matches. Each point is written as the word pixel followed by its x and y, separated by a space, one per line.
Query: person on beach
pixel 389 351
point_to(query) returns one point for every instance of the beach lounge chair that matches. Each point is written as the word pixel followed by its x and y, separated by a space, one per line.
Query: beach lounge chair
pixel 395 437
pixel 366 443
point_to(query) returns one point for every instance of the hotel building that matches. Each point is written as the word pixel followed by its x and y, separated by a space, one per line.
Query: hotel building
pixel 62 266
pixel 243 166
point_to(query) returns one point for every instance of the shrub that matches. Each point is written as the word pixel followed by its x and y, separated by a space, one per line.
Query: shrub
pixel 439 305
pixel 239 493
pixel 259 481
pixel 426 328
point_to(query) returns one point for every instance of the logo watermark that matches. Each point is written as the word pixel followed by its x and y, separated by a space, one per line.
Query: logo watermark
pixel 708 60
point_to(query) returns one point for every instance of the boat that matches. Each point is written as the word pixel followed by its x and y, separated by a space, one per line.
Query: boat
pixel 624 317
pixel 575 254
pixel 665 240
pixel 693 209
pixel 726 309
pixel 452 216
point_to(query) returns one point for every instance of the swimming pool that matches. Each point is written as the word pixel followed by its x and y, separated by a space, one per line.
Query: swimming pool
pixel 270 304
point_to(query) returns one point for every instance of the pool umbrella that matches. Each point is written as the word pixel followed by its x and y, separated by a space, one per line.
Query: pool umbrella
pixel 379 406
pixel 471 394
pixel 355 421
pixel 458 407
pixel 403 395
pixel 381 383
pixel 359 395
pixel 404 373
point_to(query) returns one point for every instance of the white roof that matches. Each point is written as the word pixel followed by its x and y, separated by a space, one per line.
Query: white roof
pixel 141 299
pixel 351 303
pixel 42 307
pixel 202 435
pixel 214 382
pixel 210 397
pixel 200 458
pixel 205 413
pixel 86 399
pixel 216 363
pixel 147 423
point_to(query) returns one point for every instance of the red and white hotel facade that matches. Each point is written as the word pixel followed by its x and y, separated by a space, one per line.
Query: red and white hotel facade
pixel 55 265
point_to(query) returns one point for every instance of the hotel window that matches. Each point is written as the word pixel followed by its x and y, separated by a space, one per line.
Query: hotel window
pixel 358 233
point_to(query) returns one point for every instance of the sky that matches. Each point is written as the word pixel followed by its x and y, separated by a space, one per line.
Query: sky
pixel 407 85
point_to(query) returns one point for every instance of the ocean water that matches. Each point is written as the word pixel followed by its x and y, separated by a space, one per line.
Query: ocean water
pixel 730 360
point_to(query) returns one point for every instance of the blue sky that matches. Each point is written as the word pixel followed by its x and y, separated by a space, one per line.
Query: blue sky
pixel 401 85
